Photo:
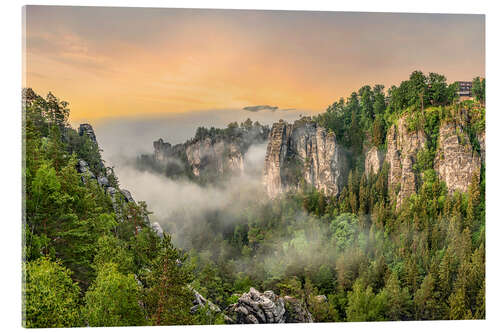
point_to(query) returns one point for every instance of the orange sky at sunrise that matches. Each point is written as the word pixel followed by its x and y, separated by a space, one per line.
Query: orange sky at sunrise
pixel 137 62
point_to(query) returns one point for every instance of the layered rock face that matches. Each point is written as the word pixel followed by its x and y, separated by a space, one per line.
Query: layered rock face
pixel 402 148
pixel 263 308
pixel 373 161
pixel 456 161
pixel 164 151
pixel 303 150
pixel 482 144
pixel 211 156
pixel 220 156
pixel 277 150
pixel 161 150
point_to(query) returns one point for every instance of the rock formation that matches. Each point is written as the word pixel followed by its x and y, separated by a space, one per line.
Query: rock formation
pixel 306 151
pixel 83 168
pixel 200 301
pixel 402 148
pixel 263 308
pixel 456 161
pixel 126 194
pixel 219 156
pixel 119 197
pixel 164 151
pixel 373 161
pixel 482 144
pixel 210 155
pixel 88 130
pixel 157 228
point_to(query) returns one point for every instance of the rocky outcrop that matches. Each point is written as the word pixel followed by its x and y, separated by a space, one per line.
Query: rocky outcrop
pixel 211 154
pixel 157 228
pixel 277 150
pixel 482 145
pixel 456 161
pixel 263 308
pixel 119 197
pixel 103 181
pixel 83 168
pixel 305 151
pixel 88 130
pixel 126 194
pixel 373 161
pixel 165 152
pixel 402 148
pixel 295 312
pixel 161 150
pixel 219 157
pixel 200 302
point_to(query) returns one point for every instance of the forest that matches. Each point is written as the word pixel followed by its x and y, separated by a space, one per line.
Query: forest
pixel 92 259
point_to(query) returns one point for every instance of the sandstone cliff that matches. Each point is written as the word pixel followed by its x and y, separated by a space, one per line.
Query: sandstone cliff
pixel 373 161
pixel 402 148
pixel 219 155
pixel 209 156
pixel 482 144
pixel 305 151
pixel 456 161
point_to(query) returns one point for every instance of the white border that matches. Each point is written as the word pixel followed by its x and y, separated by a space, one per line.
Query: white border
pixel 11 152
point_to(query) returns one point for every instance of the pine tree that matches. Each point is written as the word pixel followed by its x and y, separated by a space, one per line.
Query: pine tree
pixel 364 305
pixel 168 298
pixel 427 300
pixel 398 300
pixel 459 309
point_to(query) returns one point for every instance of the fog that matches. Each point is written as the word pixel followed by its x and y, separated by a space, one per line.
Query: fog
pixel 122 140
pixel 183 207
pixel 164 195
pixel 191 212
pixel 130 137
pixel 178 204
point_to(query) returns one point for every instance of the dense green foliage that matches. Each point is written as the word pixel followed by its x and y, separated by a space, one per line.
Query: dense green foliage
pixel 479 89
pixel 52 298
pixel 113 299
pixel 371 262
pixel 86 254
pixel 246 130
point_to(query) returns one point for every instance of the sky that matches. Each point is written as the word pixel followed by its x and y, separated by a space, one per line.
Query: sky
pixel 156 64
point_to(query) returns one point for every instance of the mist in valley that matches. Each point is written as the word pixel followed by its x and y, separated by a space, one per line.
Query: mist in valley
pixel 193 213
pixel 190 211
pixel 165 196
pixel 123 140
pixel 182 205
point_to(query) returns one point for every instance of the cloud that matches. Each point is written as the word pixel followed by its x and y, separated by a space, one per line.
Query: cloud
pixel 69 49
pixel 257 108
